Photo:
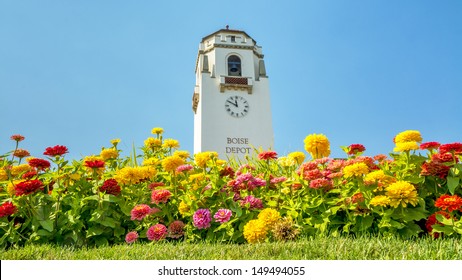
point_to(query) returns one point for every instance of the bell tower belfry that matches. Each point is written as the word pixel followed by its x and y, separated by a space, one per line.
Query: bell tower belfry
pixel 231 100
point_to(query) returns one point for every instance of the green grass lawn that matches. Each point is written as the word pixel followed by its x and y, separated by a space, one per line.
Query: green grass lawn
pixel 319 248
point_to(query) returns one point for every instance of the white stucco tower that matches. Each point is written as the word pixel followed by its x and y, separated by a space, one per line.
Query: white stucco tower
pixel 231 100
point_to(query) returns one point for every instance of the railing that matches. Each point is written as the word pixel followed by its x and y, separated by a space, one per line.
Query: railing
pixel 236 83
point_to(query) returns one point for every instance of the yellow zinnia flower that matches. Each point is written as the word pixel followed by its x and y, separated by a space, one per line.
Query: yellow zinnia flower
pixel 157 130
pixel 171 143
pixel 255 231
pixel 408 136
pixel 129 175
pixel 286 161
pixel 115 142
pixel 20 169
pixel 202 158
pixel 151 161
pixel 355 170
pixel 269 216
pixel 110 153
pixel 298 157
pixel 3 175
pixel 171 163
pixel 379 177
pixel 152 142
pixel 406 146
pixel 402 192
pixel 181 154
pixel 380 200
pixel 183 208
pixel 317 145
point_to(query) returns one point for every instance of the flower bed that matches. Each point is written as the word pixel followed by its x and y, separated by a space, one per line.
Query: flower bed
pixel 166 194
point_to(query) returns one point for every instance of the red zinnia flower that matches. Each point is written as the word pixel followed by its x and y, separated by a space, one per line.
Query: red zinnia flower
pixel 357 198
pixel 160 196
pixel 155 185
pixel 21 153
pixel 446 157
pixel 55 151
pixel 266 155
pixel 7 209
pixel 432 220
pixel 449 202
pixel 40 164
pixel 227 171
pixel 435 169
pixel 28 187
pixel 94 163
pixel 429 146
pixel 455 148
pixel 354 149
pixel 17 137
pixel 157 232
pixel 110 186
pixel 29 175
pixel 176 229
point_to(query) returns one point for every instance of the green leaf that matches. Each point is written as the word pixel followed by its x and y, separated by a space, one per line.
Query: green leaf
pixel 109 222
pixel 95 230
pixel 42 232
pixel 272 203
pixel 47 224
pixel 365 222
pixel 101 241
pixel 453 182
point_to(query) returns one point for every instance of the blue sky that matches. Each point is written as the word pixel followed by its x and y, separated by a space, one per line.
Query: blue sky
pixel 80 73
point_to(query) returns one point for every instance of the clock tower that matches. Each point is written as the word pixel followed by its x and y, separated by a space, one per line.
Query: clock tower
pixel 231 100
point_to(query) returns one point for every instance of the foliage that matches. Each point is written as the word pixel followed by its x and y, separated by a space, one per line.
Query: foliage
pixel 162 193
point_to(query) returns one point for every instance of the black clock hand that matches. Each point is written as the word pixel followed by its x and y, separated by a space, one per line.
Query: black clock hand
pixel 235 103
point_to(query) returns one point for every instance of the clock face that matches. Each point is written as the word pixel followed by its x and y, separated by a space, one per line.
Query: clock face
pixel 237 106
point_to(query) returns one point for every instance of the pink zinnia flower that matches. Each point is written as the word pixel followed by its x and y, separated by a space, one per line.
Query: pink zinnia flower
pixel 223 215
pixel 131 237
pixel 140 211
pixel 252 202
pixel 312 174
pixel 160 196
pixel 157 232
pixel 55 151
pixel 7 209
pixel 321 183
pixel 184 167
pixel 277 180
pixel 267 155
pixel 202 218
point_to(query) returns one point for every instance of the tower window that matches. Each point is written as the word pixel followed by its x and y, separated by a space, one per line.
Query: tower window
pixel 233 39
pixel 234 66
